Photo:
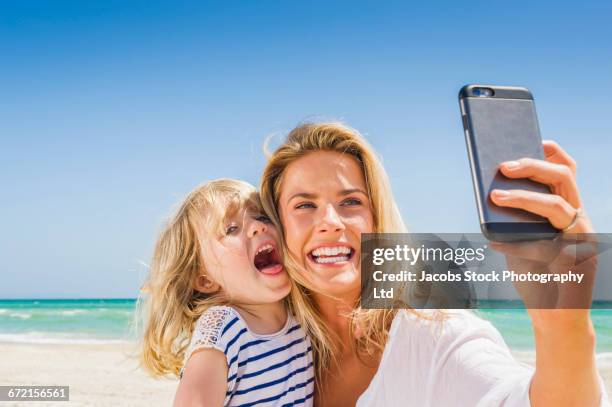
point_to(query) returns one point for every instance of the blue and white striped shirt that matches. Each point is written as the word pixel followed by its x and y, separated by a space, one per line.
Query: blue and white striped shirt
pixel 263 370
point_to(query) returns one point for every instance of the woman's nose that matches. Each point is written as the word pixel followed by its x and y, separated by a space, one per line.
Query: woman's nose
pixel 331 221
pixel 256 227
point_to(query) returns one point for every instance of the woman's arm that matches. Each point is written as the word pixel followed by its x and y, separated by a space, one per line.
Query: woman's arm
pixel 565 373
pixel 204 380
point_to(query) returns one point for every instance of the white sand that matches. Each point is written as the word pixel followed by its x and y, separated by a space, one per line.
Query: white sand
pixel 98 375
pixel 106 375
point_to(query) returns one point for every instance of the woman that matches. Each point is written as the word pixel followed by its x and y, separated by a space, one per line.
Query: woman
pixel 326 187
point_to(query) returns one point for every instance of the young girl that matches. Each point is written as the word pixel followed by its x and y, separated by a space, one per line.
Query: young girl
pixel 216 312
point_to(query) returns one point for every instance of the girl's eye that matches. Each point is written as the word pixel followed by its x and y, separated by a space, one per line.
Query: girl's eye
pixel 305 205
pixel 263 219
pixel 351 202
pixel 231 229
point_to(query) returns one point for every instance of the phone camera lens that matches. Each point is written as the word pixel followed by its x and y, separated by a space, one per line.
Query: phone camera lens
pixel 483 92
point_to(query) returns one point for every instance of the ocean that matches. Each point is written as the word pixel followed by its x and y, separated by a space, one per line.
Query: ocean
pixel 111 320
pixel 67 321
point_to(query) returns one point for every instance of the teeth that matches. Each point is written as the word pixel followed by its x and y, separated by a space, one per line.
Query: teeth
pixel 325 260
pixel 331 251
pixel 265 249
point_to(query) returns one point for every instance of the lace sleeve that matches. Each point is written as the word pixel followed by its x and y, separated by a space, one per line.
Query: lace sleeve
pixel 208 330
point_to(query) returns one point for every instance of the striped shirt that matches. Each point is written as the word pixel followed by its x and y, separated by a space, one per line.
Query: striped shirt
pixel 263 370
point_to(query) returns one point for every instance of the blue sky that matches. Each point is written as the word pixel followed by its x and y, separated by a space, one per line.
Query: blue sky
pixel 111 111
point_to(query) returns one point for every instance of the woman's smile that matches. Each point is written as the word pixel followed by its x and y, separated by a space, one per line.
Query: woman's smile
pixel 332 254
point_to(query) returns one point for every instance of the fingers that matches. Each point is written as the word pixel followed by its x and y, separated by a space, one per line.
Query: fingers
pixel 553 207
pixel 555 154
pixel 541 171
pixel 559 176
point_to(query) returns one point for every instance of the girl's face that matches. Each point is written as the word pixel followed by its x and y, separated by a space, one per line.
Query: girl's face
pixel 324 208
pixel 245 261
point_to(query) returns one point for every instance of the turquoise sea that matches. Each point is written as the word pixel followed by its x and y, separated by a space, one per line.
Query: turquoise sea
pixel 67 321
pixel 111 320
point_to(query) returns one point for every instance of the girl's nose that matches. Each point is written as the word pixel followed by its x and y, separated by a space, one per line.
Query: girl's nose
pixel 331 221
pixel 256 227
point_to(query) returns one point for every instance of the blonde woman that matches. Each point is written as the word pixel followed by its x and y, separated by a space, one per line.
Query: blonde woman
pixel 325 186
pixel 216 310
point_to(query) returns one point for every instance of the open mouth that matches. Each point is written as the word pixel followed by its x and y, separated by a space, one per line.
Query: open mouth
pixel 331 254
pixel 267 260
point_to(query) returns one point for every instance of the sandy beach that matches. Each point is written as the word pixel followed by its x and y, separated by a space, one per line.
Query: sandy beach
pixel 98 375
pixel 106 375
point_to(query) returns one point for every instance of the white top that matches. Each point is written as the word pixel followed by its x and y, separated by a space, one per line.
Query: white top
pixel 263 370
pixel 463 361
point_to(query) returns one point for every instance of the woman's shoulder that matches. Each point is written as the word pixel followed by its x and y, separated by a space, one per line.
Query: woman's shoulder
pixel 436 357
pixel 447 322
pixel 443 327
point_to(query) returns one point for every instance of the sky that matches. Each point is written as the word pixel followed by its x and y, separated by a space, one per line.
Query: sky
pixel 111 111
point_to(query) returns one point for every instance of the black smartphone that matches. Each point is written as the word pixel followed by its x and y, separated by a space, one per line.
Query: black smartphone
pixel 500 124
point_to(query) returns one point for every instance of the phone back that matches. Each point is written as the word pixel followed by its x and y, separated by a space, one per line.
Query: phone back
pixel 500 127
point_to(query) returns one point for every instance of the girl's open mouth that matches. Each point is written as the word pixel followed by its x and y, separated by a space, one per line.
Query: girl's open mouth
pixel 267 260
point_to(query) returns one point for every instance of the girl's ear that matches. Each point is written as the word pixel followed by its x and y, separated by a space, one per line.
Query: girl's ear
pixel 205 285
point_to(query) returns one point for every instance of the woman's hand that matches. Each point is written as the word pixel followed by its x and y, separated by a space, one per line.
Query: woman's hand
pixel 564 334
pixel 559 173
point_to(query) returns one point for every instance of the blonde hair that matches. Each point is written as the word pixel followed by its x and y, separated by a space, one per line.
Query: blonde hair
pixel 372 325
pixel 172 305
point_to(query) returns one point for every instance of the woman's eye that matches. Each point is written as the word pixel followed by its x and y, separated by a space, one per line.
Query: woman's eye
pixel 263 219
pixel 231 229
pixel 305 205
pixel 351 202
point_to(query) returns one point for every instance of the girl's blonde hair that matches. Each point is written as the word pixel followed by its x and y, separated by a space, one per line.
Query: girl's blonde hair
pixel 369 328
pixel 170 305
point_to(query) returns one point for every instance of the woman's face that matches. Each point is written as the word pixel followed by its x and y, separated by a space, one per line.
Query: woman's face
pixel 324 208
